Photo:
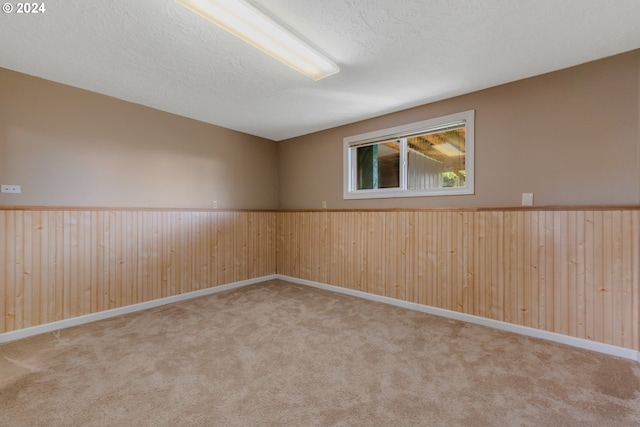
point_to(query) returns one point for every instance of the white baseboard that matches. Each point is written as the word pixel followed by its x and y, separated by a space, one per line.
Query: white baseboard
pixel 87 318
pixel 496 324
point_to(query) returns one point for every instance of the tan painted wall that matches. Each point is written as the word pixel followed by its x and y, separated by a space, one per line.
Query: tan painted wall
pixel 70 147
pixel 570 137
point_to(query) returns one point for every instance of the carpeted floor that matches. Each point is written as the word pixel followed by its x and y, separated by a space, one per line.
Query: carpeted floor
pixel 280 354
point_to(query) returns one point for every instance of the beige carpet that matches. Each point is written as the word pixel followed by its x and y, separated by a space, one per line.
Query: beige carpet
pixel 280 354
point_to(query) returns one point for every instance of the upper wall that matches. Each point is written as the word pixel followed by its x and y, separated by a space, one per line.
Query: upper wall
pixel 70 147
pixel 570 137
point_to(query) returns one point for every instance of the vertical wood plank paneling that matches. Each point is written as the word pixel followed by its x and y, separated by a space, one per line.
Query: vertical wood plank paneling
pixel 4 267
pixel 541 276
pixel 477 249
pixel 230 254
pixel 120 259
pixel 571 293
pixel 112 233
pixel 110 286
pixel 101 269
pixel 392 263
pixel 629 232
pixel 421 270
pixel 92 252
pixel 561 272
pixel 357 251
pixel 600 276
pixel 161 282
pixel 515 235
pixel 18 270
pixel 27 270
pixel 131 257
pixel 199 261
pixel 142 248
pixel 617 302
pixel 10 274
pixel 525 309
pixel 634 326
pixel 263 233
pixel 88 256
pixel 323 242
pixel 79 266
pixel 155 282
pixel 495 261
pixel 343 264
pixel 533 269
pixel 70 280
pixel 305 248
pixel 444 295
pixel 46 275
pixel 202 264
pixel 167 243
pixel 173 262
pixel 590 280
pixel 60 264
pixel 102 241
pixel 581 275
pixel 483 277
pixel 224 248
pixel 431 247
pixel 353 253
pixel 38 270
pixel 550 249
pixel 192 278
pixel 413 256
pixel 193 254
pixel 467 238
pixel 49 254
pixel 573 272
pixel 181 255
pixel 453 261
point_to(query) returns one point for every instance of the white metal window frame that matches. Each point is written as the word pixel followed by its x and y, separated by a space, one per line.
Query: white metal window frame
pixel 401 133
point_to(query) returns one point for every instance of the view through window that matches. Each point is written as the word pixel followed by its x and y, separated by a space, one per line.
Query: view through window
pixel 426 158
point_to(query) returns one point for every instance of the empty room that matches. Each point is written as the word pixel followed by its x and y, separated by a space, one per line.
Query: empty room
pixel 320 213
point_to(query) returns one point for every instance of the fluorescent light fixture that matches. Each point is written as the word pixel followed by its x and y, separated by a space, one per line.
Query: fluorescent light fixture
pixel 447 149
pixel 249 24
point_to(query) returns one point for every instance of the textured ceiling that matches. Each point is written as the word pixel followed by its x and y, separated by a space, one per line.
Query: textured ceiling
pixel 393 54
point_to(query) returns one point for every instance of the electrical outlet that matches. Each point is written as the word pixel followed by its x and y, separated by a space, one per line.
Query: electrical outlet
pixel 527 199
pixel 8 188
pixel 214 205
pixel 324 205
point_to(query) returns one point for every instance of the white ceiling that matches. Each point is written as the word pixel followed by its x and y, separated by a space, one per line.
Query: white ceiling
pixel 393 54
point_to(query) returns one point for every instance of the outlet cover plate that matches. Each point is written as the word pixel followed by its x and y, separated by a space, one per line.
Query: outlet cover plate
pixel 9 188
pixel 527 199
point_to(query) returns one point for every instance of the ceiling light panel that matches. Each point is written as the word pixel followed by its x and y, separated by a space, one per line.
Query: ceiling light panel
pixel 249 24
pixel 447 149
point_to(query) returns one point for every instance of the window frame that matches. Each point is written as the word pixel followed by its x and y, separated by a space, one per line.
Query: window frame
pixel 398 133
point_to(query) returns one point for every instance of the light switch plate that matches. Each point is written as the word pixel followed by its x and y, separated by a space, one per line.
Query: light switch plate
pixel 8 188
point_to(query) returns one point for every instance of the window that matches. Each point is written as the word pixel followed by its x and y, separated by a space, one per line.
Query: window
pixel 428 158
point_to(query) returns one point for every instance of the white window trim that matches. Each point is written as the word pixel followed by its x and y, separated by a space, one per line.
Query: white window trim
pixel 349 170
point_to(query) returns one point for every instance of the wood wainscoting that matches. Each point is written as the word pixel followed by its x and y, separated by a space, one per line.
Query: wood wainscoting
pixel 570 271
pixel 58 263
